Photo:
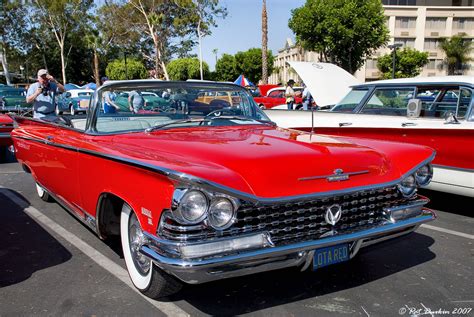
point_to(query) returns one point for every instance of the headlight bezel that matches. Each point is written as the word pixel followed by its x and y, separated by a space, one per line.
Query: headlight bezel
pixel 212 198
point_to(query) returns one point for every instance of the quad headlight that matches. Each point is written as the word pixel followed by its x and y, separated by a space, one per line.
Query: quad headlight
pixel 424 175
pixel 407 186
pixel 192 206
pixel 221 213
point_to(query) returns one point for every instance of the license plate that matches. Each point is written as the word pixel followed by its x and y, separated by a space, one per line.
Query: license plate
pixel 330 255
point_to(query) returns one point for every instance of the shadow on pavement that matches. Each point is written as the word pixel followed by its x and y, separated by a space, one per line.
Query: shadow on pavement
pixel 25 247
pixel 260 291
pixel 455 204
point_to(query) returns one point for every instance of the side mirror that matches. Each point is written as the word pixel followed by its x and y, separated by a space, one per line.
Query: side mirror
pixel 413 108
pixel 450 118
pixel 67 95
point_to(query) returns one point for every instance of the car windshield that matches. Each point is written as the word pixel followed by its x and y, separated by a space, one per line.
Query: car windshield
pixel 350 101
pixel 157 105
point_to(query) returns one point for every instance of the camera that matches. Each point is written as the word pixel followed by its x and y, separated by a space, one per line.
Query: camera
pixel 44 90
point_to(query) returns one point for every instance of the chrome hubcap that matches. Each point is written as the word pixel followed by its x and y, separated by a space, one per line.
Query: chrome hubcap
pixel 137 239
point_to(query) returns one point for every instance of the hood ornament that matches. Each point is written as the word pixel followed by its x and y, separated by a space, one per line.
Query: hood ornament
pixel 337 176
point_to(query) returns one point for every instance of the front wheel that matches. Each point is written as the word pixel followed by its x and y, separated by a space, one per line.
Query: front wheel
pixel 73 112
pixel 146 276
pixel 58 112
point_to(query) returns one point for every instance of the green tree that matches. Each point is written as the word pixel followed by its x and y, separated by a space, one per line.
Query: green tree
pixel 158 23
pixel 12 33
pixel 457 50
pixel 135 69
pixel 249 63
pixel 226 69
pixel 409 63
pixel 343 32
pixel 186 68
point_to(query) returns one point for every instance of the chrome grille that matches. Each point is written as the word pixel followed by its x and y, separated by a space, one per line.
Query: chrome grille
pixel 296 221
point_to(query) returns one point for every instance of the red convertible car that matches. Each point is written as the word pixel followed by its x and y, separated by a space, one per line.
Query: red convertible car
pixel 201 197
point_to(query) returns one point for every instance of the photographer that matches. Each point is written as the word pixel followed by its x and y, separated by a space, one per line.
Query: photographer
pixel 41 94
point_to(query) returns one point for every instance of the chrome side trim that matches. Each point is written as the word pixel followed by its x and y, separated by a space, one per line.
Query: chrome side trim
pixel 213 186
pixel 88 219
pixel 461 169
pixel 200 270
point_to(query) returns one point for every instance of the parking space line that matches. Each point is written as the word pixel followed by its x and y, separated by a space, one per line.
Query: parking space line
pixel 456 233
pixel 169 309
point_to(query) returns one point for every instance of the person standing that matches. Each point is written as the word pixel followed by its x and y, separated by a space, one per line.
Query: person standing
pixel 136 102
pixel 108 96
pixel 290 94
pixel 307 98
pixel 42 93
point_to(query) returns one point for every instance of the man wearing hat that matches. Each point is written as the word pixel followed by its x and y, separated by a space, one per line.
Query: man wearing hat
pixel 290 94
pixel 41 94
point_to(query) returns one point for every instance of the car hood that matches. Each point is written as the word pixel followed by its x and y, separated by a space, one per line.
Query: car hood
pixel 326 82
pixel 271 162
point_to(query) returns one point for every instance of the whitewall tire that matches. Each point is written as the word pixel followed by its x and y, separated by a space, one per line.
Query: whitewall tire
pixel 147 278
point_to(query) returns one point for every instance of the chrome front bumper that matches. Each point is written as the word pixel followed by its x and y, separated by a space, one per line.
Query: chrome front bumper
pixel 195 271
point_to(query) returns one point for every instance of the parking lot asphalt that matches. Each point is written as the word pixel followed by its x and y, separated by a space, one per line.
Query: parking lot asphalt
pixel 51 264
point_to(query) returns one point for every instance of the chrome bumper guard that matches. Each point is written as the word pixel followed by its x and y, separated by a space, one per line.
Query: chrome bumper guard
pixel 200 270
pixel 5 135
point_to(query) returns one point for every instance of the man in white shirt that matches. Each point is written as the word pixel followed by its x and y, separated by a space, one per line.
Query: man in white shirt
pixel 290 94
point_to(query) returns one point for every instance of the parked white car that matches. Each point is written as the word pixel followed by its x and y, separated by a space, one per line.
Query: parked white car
pixel 433 111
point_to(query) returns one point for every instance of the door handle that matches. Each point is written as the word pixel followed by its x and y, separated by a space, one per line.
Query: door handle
pixel 49 139
pixel 344 124
pixel 408 124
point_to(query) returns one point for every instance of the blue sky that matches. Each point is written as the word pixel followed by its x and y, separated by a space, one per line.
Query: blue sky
pixel 241 29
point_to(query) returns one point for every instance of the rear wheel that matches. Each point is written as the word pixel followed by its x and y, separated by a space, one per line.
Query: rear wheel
pixel 43 194
pixel 146 276
pixel 71 110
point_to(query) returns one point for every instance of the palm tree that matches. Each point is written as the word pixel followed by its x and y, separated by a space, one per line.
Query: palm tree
pixel 264 43
pixel 457 50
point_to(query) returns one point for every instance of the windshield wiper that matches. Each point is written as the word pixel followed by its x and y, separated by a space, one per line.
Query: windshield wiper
pixel 161 126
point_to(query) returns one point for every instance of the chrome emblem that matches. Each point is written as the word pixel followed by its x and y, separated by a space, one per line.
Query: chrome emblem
pixel 338 176
pixel 333 214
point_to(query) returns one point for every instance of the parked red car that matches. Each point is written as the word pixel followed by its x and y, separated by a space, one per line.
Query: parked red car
pixel 197 197
pixel 276 97
pixel 6 126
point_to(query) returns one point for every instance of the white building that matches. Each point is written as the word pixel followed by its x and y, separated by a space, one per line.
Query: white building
pixel 414 23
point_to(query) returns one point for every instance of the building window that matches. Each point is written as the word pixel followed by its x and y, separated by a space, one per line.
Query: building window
pixel 431 44
pixel 405 23
pixel 399 2
pixel 406 42
pixel 435 23
pixel 371 63
pixel 434 64
pixel 463 23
